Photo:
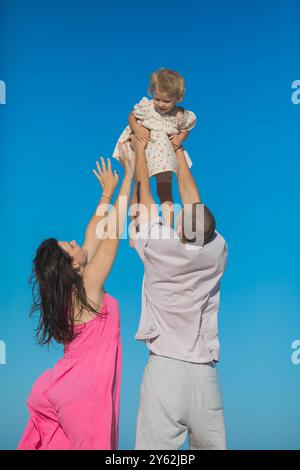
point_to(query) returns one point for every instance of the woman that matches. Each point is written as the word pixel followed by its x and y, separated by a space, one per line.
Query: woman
pixel 75 405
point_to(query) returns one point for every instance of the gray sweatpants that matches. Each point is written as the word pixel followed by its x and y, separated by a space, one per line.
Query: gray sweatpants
pixel 177 398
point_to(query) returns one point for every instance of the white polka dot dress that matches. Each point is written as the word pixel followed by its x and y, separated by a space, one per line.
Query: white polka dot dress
pixel 159 152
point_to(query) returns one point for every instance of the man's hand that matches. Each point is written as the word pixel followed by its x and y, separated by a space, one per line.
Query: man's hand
pixel 176 140
pixel 142 133
pixel 137 144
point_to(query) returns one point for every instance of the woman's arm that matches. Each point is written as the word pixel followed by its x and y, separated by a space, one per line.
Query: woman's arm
pixel 97 270
pixel 109 182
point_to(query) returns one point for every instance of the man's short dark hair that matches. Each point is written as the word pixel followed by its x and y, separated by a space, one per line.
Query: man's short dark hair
pixel 209 225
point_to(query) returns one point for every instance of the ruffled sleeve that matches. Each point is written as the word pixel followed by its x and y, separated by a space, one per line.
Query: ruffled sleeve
pixel 143 109
pixel 188 121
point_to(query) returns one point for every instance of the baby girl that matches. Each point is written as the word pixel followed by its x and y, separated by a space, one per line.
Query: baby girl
pixel 164 126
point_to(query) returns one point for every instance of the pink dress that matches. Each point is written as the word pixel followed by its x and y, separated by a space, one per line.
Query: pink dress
pixel 75 405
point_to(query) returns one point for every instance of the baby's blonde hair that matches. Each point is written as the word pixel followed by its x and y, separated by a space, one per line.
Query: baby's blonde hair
pixel 167 81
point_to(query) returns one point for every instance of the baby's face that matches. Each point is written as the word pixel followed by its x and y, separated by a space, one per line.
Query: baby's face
pixel 162 102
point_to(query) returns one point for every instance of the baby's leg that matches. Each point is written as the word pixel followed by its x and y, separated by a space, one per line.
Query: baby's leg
pixel 164 192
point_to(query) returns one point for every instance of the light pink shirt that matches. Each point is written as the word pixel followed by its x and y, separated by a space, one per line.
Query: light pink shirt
pixel 180 293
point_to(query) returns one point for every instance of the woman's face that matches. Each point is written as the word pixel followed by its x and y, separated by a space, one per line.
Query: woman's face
pixel 162 102
pixel 79 255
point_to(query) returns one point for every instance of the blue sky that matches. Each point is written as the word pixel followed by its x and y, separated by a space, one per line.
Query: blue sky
pixel 73 71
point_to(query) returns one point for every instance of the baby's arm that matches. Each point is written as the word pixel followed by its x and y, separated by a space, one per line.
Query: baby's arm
pixel 189 121
pixel 183 132
pixel 132 121
pixel 138 129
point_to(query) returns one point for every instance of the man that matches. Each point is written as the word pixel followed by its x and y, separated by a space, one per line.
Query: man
pixel 180 390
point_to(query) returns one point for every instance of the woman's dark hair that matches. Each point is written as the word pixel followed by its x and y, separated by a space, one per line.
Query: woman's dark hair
pixel 56 287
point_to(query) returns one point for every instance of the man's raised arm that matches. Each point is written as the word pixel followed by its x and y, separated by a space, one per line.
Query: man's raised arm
pixel 187 186
pixel 142 177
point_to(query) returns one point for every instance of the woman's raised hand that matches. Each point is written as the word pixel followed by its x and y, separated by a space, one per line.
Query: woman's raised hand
pixel 108 179
pixel 126 159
